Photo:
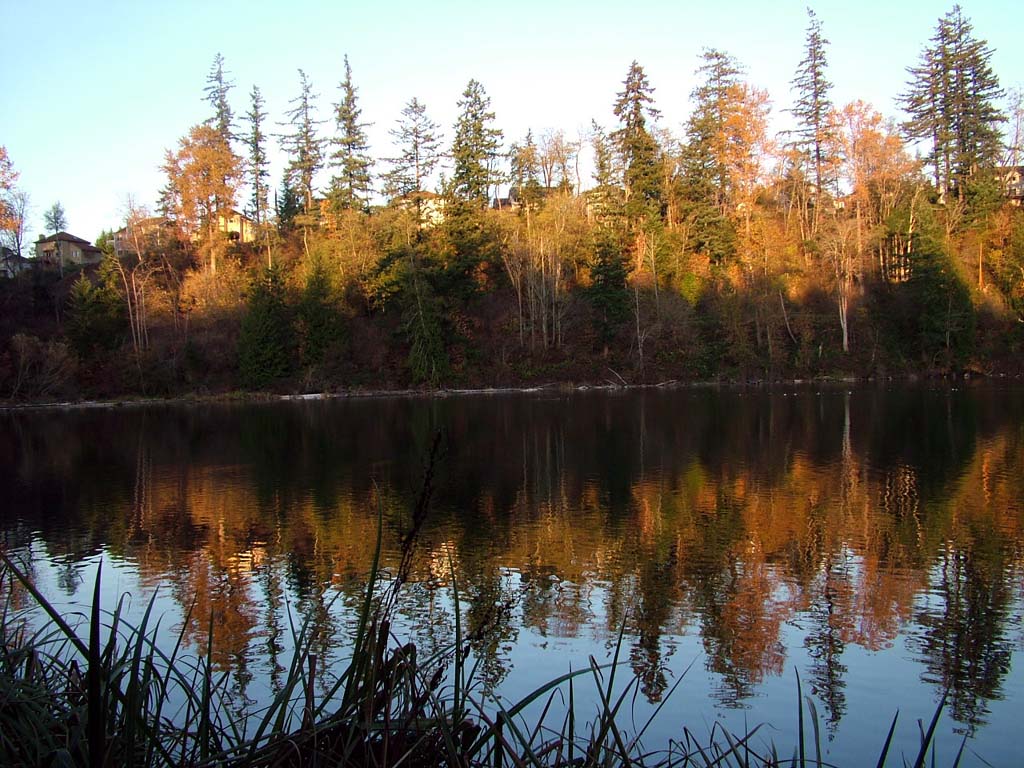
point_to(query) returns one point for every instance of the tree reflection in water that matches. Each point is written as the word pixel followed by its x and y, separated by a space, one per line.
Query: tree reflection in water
pixel 776 526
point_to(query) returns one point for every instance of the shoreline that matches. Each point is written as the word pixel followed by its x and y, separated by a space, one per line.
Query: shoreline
pixel 236 396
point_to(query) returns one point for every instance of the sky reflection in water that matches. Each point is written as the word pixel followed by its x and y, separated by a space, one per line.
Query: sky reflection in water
pixel 869 539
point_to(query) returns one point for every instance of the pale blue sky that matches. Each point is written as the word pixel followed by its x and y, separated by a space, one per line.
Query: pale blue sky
pixel 95 92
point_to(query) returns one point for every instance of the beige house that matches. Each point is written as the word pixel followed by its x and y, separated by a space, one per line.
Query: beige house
pixel 65 250
pixel 238 226
pixel 431 207
pixel 150 232
pixel 1012 178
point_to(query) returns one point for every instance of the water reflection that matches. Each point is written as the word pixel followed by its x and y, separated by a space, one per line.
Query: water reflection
pixel 778 528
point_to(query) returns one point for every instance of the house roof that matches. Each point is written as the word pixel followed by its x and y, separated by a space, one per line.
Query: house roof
pixel 65 237
pixel 147 224
pixel 9 256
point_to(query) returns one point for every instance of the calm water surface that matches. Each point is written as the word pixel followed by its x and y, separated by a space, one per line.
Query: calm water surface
pixel 870 540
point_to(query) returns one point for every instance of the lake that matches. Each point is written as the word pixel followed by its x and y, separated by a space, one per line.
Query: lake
pixel 867 539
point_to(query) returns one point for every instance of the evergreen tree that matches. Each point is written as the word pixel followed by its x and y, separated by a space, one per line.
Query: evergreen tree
pixel 706 185
pixel 525 172
pixel 475 148
pixel 94 315
pixel 258 165
pixel 217 88
pixel 167 201
pixel 606 196
pixel 608 293
pixel 942 310
pixel 813 108
pixel 705 175
pixel 265 339
pixel 639 152
pixel 351 186
pixel 303 146
pixel 319 321
pixel 287 204
pixel 951 100
pixel 222 122
pixel 423 321
pixel 419 143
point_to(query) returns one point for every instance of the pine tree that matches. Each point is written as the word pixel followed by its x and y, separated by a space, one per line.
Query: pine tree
pixel 607 292
pixel 167 201
pixel 351 186
pixel 303 146
pixel 319 321
pixel 639 152
pixel 217 88
pixel 525 172
pixel 606 196
pixel 287 204
pixel 705 174
pixel 813 108
pixel 706 184
pixel 951 100
pixel 475 147
pixel 419 143
pixel 255 142
pixel 94 315
pixel 265 338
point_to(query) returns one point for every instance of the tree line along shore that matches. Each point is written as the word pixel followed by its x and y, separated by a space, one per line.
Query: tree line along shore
pixel 851 245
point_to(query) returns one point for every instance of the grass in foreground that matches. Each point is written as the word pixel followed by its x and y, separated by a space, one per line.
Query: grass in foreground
pixel 114 698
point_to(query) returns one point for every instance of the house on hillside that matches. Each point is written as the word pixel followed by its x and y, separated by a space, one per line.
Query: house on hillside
pixel 11 264
pixel 65 250
pixel 237 225
pixel 1012 178
pixel 151 232
pixel 514 200
pixel 431 206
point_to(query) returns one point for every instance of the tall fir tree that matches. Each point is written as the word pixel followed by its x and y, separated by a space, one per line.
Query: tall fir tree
pixel 706 184
pixel 303 146
pixel 258 164
pixel 351 186
pixel 475 147
pixel 419 145
pixel 705 174
pixel 606 196
pixel 951 100
pixel 637 148
pixel 218 86
pixel 813 109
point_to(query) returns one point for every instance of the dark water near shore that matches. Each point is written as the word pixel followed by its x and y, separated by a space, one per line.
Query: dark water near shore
pixel 870 540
